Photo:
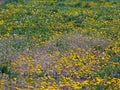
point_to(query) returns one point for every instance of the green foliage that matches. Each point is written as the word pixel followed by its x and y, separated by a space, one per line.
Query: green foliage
pixel 99 87
pixel 115 58
pixel 3 31
pixel 99 47
pixel 79 4
pixel 108 70
pixel 5 68
pixel 61 46
pixel 10 1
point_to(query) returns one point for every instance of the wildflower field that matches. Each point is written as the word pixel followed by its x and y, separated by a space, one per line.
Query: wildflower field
pixel 60 45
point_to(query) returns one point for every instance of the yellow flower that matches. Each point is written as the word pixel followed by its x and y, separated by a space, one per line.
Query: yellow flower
pixel 14 79
pixel 77 85
pixel 1 22
pixel 1 82
pixel 31 79
pixel 98 80
pixel 51 88
pixel 17 88
pixel 86 82
pixel 30 87
pixel 108 82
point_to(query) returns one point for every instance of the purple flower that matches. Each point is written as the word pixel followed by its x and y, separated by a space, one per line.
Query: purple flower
pixel 65 88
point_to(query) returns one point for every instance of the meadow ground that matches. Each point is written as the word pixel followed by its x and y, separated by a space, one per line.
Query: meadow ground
pixel 60 45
